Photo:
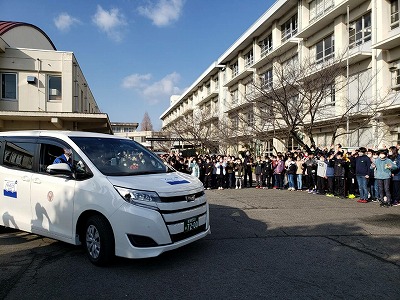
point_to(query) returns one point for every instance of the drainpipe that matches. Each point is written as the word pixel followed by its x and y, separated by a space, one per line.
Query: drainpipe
pixel 347 79
pixel 38 80
pixel 374 51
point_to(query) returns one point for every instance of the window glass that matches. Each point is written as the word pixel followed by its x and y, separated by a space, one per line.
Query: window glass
pixel 9 86
pixel 394 11
pixel 248 59
pixel 266 79
pixel 120 157
pixel 325 49
pixel 360 31
pixel 55 88
pixel 266 45
pixel 235 69
pixel 235 96
pixel 289 28
pixel 19 155
pixel 50 152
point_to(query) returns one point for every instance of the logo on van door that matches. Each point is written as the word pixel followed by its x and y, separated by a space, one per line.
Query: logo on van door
pixel 10 188
pixel 50 196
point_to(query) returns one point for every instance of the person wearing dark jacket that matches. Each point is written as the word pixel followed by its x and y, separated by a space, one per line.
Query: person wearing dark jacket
pixel 351 182
pixel 339 165
pixel 230 173
pixel 208 170
pixel 247 166
pixel 395 157
pixel 267 173
pixel 238 173
pixel 311 168
pixel 258 170
pixel 362 170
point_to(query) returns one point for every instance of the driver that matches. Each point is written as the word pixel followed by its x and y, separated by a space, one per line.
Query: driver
pixel 66 157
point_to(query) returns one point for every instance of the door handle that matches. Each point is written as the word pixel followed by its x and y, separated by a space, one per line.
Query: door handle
pixel 36 180
pixel 26 178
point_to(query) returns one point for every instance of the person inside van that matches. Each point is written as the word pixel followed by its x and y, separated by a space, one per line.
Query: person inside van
pixel 66 157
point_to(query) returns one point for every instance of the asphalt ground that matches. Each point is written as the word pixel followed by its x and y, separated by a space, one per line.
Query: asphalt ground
pixel 265 244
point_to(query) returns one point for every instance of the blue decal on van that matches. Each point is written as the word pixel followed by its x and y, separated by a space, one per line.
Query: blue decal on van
pixel 177 182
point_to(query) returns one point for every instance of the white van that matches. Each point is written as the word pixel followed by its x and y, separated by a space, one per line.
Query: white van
pixel 113 195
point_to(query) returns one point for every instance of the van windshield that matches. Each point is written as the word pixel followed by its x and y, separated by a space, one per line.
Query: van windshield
pixel 120 157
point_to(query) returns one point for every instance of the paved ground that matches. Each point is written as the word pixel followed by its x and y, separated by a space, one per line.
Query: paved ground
pixel 265 244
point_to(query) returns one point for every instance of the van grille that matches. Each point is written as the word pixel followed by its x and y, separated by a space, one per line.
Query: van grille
pixel 181 198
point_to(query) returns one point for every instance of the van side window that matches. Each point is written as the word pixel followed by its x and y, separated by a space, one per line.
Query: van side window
pixel 19 155
pixel 48 153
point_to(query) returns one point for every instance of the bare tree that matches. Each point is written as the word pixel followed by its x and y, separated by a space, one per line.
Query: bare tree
pixel 197 128
pixel 146 124
pixel 303 95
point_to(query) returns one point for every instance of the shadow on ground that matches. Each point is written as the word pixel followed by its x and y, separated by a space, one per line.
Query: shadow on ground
pixel 242 258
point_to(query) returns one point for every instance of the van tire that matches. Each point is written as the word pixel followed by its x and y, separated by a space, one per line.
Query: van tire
pixel 99 241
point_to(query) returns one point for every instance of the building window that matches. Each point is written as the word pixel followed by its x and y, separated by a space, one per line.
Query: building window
pixel 55 88
pixel 396 75
pixel 325 49
pixel 250 118
pixel 269 147
pixel 394 14
pixel 288 66
pixel 360 31
pixel 216 83
pixel 291 144
pixel 208 89
pixel 266 79
pixel 249 88
pixel 289 28
pixel 360 91
pixel 319 8
pixel 235 96
pixel 235 69
pixel 329 96
pixel 248 59
pixel 266 45
pixel 235 122
pixel 9 86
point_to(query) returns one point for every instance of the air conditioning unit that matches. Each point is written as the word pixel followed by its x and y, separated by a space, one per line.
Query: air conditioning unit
pixel 393 66
pixel 54 92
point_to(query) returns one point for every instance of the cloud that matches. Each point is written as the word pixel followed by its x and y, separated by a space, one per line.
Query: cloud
pixel 64 21
pixel 111 22
pixel 153 93
pixel 136 81
pixel 164 12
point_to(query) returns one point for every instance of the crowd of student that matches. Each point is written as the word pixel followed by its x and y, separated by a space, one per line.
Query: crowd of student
pixel 373 175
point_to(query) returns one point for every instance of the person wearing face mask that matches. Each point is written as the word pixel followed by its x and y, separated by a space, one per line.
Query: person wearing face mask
pixel 384 167
pixel 362 169
pixel 220 172
pixel 372 183
pixel 395 157
pixel 247 168
pixel 66 158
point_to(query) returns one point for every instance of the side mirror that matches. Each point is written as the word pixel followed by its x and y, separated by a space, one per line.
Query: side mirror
pixel 59 169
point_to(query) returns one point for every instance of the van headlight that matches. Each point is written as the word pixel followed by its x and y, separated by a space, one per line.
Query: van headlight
pixel 135 196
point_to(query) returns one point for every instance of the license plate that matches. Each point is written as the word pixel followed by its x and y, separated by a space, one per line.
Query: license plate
pixel 191 224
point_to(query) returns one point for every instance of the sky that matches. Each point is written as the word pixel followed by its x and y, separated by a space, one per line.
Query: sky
pixel 135 54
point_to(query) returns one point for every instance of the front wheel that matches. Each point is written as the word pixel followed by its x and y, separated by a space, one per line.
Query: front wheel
pixel 99 241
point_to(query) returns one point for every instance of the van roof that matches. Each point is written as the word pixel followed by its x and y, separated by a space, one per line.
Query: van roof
pixel 57 133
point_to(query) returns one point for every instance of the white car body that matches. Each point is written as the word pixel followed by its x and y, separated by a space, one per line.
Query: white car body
pixel 55 206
